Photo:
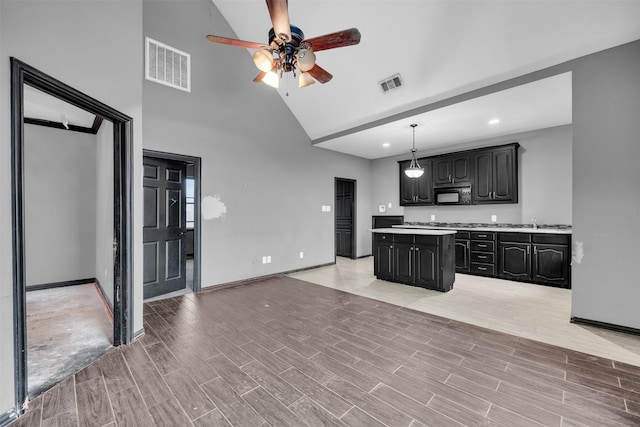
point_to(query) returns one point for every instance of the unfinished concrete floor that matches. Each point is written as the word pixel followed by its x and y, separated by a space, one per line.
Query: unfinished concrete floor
pixel 67 329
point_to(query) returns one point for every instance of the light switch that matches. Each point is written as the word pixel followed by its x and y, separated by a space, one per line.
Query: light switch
pixel 433 217
pixel 389 205
pixel 494 218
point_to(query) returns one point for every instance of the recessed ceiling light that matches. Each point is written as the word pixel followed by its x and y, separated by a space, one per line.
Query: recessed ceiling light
pixel 494 121
pixel 386 145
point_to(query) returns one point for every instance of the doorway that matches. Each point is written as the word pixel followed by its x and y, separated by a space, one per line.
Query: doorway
pixel 345 213
pixel 171 225
pixel 121 247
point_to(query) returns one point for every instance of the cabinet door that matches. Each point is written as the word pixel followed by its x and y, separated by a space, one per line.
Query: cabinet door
pixel 482 189
pixel 442 171
pixel 515 260
pixel 426 266
pixel 407 186
pixel 383 268
pixel 462 256
pixel 551 264
pixel 424 185
pixel 461 169
pixel 504 175
pixel 403 269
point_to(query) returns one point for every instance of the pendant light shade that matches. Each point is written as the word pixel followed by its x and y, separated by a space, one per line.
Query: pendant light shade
pixel 414 170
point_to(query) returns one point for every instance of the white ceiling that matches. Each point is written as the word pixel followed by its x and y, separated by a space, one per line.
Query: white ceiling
pixel 441 48
pixel 40 105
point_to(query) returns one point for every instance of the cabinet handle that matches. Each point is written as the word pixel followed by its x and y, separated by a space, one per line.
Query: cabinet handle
pixel 449 177
pixel 535 250
pixel 482 268
pixel 410 264
pixel 417 249
pixel 482 246
pixel 482 235
pixel 528 250
pixel 482 257
pixel 467 244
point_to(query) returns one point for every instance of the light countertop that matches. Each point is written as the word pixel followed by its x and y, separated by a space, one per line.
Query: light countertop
pixel 498 229
pixel 416 231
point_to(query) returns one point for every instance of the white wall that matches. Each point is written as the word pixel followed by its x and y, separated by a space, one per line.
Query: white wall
pixel 544 179
pixel 60 212
pixel 256 159
pixel 104 209
pixel 606 199
pixel 95 47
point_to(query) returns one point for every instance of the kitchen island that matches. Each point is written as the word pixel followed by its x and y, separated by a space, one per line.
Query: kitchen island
pixel 417 257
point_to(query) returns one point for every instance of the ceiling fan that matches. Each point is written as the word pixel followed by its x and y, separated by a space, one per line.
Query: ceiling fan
pixel 288 49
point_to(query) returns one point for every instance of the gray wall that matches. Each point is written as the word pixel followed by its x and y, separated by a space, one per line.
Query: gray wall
pixel 60 213
pixel 256 159
pixel 606 199
pixel 96 47
pixel 104 209
pixel 544 182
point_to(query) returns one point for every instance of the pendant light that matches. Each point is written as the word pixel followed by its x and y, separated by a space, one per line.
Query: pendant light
pixel 414 170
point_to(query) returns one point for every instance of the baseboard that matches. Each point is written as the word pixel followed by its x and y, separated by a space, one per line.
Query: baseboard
pixel 8 417
pixel 138 334
pixel 604 325
pixel 363 256
pixel 105 301
pixel 60 284
pixel 256 279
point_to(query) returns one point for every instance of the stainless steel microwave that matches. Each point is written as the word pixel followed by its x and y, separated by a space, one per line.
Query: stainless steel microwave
pixel 453 195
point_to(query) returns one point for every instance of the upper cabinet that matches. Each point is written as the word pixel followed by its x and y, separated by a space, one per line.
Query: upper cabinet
pixel 496 175
pixel 416 191
pixel 452 169
pixel 491 172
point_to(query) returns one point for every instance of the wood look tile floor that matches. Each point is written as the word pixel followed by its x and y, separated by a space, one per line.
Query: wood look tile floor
pixel 283 352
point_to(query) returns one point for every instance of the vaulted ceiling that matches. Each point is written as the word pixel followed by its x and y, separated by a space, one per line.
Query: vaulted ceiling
pixel 440 48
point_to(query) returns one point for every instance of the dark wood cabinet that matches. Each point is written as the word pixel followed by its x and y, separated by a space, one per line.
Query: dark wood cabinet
pixel 383 256
pixel 416 191
pixel 463 251
pixel 496 175
pixel 538 258
pixel 417 260
pixel 482 255
pixel 452 169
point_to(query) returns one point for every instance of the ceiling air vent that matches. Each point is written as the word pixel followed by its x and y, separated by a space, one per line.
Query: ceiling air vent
pixel 167 65
pixel 391 83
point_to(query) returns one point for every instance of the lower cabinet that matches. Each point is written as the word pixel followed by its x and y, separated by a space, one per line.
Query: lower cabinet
pixel 538 258
pixel 418 260
pixel 463 252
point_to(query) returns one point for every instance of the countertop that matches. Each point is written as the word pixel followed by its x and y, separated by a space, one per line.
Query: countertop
pixel 509 228
pixel 414 230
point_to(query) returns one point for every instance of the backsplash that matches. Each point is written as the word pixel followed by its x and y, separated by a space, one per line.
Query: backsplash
pixel 483 224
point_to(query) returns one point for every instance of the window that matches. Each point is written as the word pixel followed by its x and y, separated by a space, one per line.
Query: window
pixel 190 204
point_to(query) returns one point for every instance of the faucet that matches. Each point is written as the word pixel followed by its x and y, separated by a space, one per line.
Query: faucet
pixel 535 222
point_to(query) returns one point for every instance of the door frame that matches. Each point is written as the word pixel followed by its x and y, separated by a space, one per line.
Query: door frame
pixel 354 248
pixel 22 74
pixel 197 241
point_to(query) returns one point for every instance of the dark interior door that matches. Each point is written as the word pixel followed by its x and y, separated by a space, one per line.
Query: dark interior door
pixel 164 232
pixel 345 197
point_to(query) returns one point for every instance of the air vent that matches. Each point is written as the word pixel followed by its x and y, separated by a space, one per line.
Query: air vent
pixel 391 83
pixel 167 65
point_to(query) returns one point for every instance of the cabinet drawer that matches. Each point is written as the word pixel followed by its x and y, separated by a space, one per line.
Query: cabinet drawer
pixel 482 246
pixel 462 235
pixel 514 237
pixel 553 239
pixel 427 240
pixel 483 257
pixel 403 238
pixel 383 237
pixel 483 235
pixel 479 268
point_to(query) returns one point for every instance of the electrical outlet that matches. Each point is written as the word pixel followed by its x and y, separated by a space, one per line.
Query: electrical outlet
pixel 389 205
pixel 326 208
pixel 301 254
pixel 268 259
pixel 433 217
pixel 494 218
pixel 382 208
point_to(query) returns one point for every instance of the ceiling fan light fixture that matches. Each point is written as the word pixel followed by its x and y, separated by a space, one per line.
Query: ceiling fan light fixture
pixel 414 170
pixel 271 79
pixel 305 80
pixel 306 59
pixel 263 60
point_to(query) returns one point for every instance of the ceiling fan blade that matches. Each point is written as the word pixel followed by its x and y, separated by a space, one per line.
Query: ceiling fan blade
pixel 236 42
pixel 338 39
pixel 278 10
pixel 320 74
pixel 259 77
